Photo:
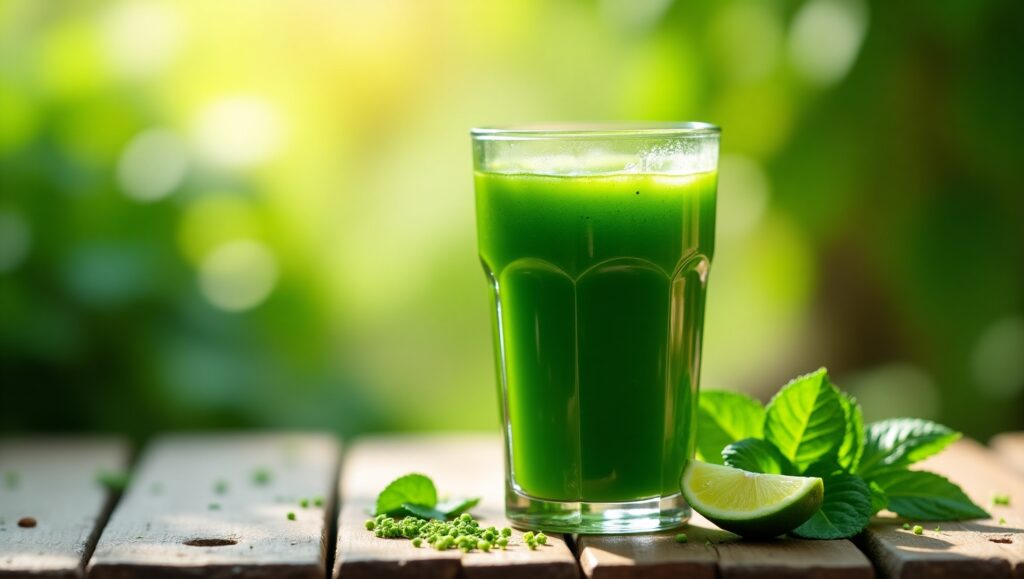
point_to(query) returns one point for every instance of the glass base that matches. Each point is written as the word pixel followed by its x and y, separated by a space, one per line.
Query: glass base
pixel 644 516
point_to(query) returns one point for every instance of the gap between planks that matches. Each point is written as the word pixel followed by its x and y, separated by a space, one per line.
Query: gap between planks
pixel 460 465
pixel 216 505
pixel 55 481
pixel 711 552
pixel 975 548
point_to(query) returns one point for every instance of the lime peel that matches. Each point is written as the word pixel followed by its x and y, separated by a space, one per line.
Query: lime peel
pixel 751 504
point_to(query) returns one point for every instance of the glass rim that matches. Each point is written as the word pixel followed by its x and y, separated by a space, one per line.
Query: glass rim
pixel 594 131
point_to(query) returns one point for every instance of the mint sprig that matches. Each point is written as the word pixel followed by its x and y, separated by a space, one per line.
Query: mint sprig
pixel 811 428
pixel 725 417
pixel 805 420
pixel 415 495
pixel 412 489
pixel 845 511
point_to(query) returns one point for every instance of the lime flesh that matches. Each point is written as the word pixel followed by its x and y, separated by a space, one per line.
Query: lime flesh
pixel 751 504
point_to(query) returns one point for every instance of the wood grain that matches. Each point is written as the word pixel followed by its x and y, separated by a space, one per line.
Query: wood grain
pixel 974 549
pixel 54 481
pixel 712 552
pixel 1010 448
pixel 460 466
pixel 216 506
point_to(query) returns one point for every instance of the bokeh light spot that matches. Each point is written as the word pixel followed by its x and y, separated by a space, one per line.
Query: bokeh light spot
pixel 152 166
pixel 239 131
pixel 634 15
pixel 743 192
pixel 892 390
pixel 15 240
pixel 213 219
pixel 997 362
pixel 141 38
pixel 238 275
pixel 825 38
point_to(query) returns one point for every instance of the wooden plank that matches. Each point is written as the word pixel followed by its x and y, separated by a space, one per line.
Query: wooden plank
pixel 785 558
pixel 712 552
pixel 1010 448
pixel 460 466
pixel 978 549
pixel 654 555
pixel 216 506
pixel 55 482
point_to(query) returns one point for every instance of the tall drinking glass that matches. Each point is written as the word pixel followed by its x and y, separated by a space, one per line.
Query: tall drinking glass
pixel 596 241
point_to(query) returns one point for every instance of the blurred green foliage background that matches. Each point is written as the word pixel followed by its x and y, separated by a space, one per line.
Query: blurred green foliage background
pixel 234 213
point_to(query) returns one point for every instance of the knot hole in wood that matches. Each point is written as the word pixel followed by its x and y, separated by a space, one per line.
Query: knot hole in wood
pixel 210 542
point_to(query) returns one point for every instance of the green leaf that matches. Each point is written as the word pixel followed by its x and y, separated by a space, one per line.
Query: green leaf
pixel 805 420
pixel 879 500
pixel 853 438
pixel 898 442
pixel 844 513
pixel 723 418
pixel 926 496
pixel 756 455
pixel 417 511
pixel 413 489
pixel 454 507
pixel 824 468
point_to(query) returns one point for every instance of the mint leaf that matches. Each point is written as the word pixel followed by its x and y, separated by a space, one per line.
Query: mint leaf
pixel 879 500
pixel 926 496
pixel 413 489
pixel 898 442
pixel 824 468
pixel 853 438
pixel 420 511
pixel 455 507
pixel 805 420
pixel 756 455
pixel 845 511
pixel 723 418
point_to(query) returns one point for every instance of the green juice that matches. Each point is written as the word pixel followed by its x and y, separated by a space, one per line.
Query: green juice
pixel 598 293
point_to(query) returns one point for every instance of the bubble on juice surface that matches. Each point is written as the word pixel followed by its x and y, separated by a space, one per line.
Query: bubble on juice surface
pixel 680 157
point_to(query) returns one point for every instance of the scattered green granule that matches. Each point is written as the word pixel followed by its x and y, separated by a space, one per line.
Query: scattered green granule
pixel 918 530
pixel 114 481
pixel 938 529
pixel 1002 520
pixel 906 526
pixel 220 487
pixel 11 479
pixel 304 503
pixel 261 476
pixel 1001 499
pixel 214 506
pixel 291 516
pixel 541 538
pixel 682 538
pixel 463 533
pixel 318 501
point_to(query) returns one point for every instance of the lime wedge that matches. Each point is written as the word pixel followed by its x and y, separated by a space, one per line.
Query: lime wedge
pixel 749 503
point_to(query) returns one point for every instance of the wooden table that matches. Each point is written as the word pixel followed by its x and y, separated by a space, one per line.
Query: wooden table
pixel 267 505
